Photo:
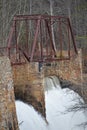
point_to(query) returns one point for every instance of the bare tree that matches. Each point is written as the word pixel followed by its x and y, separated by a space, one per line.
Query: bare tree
pixel 51 12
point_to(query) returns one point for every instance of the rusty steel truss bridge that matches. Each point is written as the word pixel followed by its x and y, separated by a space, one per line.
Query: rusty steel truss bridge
pixel 39 38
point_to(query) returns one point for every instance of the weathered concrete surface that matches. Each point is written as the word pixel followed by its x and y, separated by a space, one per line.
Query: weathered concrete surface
pixel 8 119
pixel 28 85
pixel 68 70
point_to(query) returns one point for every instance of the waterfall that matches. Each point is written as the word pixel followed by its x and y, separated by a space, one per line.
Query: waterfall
pixel 56 100
pixel 56 82
pixel 51 82
pixel 28 118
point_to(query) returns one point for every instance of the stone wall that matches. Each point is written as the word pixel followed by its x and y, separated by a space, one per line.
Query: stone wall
pixel 8 119
pixel 28 84
pixel 69 72
pixel 68 69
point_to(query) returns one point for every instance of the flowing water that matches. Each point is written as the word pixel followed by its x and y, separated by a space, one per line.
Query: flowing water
pixel 57 102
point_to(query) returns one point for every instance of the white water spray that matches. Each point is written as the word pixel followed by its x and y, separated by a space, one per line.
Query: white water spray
pixel 51 83
pixel 57 101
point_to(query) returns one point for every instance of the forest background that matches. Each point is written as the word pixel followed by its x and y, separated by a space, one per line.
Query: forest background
pixel 76 10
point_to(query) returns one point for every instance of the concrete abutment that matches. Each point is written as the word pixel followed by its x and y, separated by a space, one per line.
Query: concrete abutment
pixel 28 85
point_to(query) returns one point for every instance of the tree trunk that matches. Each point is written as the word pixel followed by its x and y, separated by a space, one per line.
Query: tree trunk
pixel 51 12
